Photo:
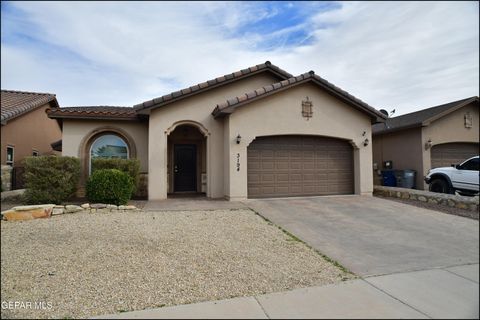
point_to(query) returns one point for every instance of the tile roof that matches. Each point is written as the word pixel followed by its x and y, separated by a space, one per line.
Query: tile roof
pixel 230 105
pixel 15 103
pixel 187 92
pixel 419 118
pixel 94 112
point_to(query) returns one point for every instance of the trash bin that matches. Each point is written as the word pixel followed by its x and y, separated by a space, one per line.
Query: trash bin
pixel 405 178
pixel 388 178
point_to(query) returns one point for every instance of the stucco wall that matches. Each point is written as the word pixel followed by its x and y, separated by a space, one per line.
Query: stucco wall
pixel 281 114
pixel 31 131
pixel 195 110
pixel 403 148
pixel 450 128
pixel 76 131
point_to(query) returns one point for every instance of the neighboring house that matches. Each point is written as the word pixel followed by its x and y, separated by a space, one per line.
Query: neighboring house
pixel 26 129
pixel 258 132
pixel 429 138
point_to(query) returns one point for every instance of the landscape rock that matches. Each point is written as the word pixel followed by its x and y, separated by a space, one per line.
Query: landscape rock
pixel 85 206
pixel 72 208
pixel 13 215
pixel 98 206
pixel 57 211
pixel 112 207
pixel 33 207
pixel 422 198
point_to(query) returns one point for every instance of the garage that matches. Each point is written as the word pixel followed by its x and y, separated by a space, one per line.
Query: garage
pixel 446 154
pixel 282 166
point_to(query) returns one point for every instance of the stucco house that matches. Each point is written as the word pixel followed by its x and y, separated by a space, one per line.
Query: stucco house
pixel 435 137
pixel 26 128
pixel 257 132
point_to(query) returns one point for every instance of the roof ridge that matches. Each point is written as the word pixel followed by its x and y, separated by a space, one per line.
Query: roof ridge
pixel 226 78
pixel 98 106
pixel 28 92
pixel 437 106
pixel 268 89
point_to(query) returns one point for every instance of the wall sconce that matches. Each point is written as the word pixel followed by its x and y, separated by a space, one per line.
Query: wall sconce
pixel 239 138
pixel 366 142
pixel 428 144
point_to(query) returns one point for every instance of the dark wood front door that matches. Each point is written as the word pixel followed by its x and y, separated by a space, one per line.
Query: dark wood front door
pixel 185 168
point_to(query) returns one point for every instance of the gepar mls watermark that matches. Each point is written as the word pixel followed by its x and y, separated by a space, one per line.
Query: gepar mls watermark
pixel 32 305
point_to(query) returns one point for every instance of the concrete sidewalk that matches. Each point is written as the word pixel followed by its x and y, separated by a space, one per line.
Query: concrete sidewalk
pixel 451 292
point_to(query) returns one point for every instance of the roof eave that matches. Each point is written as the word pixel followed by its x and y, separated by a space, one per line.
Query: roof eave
pixel 375 117
pixel 97 117
pixel 141 108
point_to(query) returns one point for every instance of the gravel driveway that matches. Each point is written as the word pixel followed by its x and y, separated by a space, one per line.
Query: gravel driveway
pixel 94 264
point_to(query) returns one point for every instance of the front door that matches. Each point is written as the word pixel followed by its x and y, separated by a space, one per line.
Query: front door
pixel 185 168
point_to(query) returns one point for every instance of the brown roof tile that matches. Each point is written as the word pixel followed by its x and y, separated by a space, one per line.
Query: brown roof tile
pixel 186 92
pixel 94 112
pixel 15 103
pixel 230 105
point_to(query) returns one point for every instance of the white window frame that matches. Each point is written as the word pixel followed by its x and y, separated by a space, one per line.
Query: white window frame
pixel 10 162
pixel 95 140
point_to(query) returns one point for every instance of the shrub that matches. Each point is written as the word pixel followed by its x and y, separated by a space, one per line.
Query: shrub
pixel 129 166
pixel 50 179
pixel 110 186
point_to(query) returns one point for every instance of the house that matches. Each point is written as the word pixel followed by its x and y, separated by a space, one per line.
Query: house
pixel 26 128
pixel 257 132
pixel 430 138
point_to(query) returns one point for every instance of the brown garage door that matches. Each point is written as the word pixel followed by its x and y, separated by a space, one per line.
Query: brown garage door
pixel 281 166
pixel 444 155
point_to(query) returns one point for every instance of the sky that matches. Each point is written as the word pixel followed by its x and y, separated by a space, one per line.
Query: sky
pixel 393 55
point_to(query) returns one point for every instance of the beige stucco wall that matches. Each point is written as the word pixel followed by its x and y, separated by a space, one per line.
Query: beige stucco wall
pixel 195 110
pixel 29 132
pixel 76 131
pixel 450 128
pixel 280 114
pixel 403 148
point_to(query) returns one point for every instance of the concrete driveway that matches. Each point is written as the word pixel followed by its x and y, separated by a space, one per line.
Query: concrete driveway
pixel 372 236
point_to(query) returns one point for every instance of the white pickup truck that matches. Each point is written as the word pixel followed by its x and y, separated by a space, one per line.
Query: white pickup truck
pixel 463 178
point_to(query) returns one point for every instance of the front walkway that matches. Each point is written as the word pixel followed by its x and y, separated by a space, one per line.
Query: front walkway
pixel 435 293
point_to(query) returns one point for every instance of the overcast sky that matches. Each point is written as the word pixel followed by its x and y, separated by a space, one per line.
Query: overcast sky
pixel 402 55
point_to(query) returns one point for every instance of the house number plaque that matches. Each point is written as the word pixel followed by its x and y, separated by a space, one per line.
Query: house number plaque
pixel 238 161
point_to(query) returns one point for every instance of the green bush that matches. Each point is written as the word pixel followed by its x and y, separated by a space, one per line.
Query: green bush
pixel 129 166
pixel 110 186
pixel 50 179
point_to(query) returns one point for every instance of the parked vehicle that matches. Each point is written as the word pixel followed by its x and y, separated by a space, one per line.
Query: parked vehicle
pixel 463 178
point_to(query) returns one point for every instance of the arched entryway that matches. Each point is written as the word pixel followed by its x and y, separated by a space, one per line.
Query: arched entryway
pixel 187 160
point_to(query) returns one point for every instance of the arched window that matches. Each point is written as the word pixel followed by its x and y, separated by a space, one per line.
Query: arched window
pixel 109 146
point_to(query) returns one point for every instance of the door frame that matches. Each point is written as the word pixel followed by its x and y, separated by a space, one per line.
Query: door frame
pixel 195 165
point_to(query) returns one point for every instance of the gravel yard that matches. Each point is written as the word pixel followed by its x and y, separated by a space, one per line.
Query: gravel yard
pixel 93 264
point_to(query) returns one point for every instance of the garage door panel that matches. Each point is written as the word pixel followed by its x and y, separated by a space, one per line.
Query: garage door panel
pixel 299 165
pixel 444 155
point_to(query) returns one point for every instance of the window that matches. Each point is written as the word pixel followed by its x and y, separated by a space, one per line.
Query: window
pixel 10 156
pixel 471 165
pixel 108 146
pixel 35 153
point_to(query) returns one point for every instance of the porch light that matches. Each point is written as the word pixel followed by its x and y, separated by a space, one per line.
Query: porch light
pixel 239 138
pixel 428 144
pixel 366 142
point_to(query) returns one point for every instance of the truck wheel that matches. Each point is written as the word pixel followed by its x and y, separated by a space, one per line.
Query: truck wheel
pixel 440 185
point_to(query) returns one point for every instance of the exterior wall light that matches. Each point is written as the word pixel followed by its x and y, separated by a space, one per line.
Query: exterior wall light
pixel 366 142
pixel 428 144
pixel 239 138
